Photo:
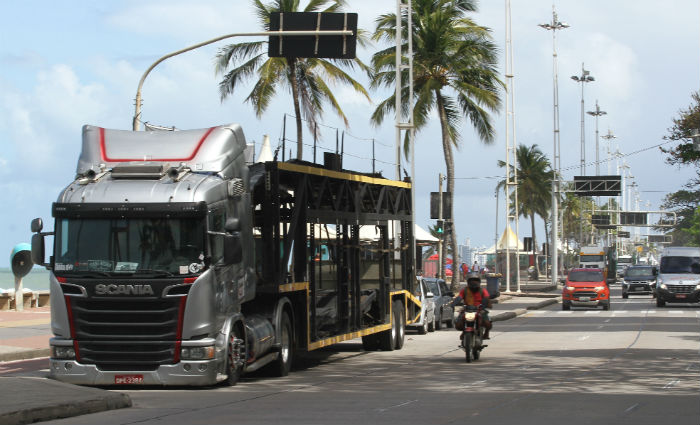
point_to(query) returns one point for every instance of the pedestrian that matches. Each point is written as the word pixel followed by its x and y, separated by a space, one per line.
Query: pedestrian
pixel 475 267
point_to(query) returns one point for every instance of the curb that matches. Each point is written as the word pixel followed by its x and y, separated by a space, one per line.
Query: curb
pixel 33 353
pixel 507 315
pixel 85 401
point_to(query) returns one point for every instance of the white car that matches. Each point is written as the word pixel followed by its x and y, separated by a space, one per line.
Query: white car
pixel 427 312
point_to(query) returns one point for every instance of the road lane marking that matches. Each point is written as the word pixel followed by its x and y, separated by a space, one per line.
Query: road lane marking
pixel 672 384
pixel 592 312
pixel 675 312
pixel 632 407
pixel 565 312
pixel 651 311
pixel 395 406
pixel 583 338
pixel 607 321
pixel 601 327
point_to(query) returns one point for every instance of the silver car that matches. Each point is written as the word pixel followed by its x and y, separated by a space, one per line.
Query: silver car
pixel 427 312
pixel 442 297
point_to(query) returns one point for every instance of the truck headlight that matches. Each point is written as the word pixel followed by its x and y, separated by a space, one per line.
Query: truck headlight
pixel 197 353
pixel 663 286
pixel 62 352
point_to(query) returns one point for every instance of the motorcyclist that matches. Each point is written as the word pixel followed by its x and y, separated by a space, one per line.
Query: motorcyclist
pixel 475 295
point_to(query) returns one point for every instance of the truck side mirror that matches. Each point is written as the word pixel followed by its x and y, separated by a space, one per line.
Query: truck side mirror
pixel 37 225
pixel 38 251
pixel 233 252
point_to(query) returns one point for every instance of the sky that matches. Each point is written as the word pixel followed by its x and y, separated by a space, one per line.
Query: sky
pixel 70 63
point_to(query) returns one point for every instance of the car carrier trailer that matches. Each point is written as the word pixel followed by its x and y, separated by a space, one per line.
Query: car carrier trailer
pixel 176 262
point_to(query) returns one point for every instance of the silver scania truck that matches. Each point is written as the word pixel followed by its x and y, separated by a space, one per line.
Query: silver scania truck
pixel 177 262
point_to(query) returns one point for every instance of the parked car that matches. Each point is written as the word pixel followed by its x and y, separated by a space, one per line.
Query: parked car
pixel 639 280
pixel 426 319
pixel 585 288
pixel 442 297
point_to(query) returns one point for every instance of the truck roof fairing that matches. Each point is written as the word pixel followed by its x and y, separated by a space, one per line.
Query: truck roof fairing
pixel 202 150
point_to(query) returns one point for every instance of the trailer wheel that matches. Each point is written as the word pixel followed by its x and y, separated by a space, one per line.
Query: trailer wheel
pixel 283 364
pixel 370 342
pixel 235 357
pixel 400 320
pixel 387 338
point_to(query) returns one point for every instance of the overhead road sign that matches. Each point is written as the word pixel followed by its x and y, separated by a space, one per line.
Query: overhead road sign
pixel 598 185
pixel 288 45
pixel 600 219
pixel 633 218
pixel 623 234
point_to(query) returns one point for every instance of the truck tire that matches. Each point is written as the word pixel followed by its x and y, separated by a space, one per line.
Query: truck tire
pixel 235 350
pixel 400 319
pixel 387 338
pixel 660 302
pixel 283 364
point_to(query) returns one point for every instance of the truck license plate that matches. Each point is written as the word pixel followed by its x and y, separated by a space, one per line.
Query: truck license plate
pixel 680 295
pixel 128 379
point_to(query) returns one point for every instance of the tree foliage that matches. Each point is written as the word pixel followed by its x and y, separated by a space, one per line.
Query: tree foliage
pixel 685 202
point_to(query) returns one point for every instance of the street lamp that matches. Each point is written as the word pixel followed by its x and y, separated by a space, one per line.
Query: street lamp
pixel 598 112
pixel 556 158
pixel 609 137
pixel 585 77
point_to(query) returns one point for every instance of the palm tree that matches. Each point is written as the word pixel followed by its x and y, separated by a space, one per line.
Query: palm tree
pixel 534 184
pixel 454 74
pixel 306 77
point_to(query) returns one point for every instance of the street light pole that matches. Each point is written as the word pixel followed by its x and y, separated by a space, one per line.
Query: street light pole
pixel 137 104
pixel 556 158
pixel 597 113
pixel 585 77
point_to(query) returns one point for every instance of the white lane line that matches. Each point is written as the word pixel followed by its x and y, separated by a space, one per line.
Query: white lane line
pixel 632 407
pixel 538 312
pixel 593 312
pixel 651 311
pixel 583 338
pixel 607 321
pixel 675 312
pixel 565 312
pixel 395 406
pixel 672 384
pixel 620 312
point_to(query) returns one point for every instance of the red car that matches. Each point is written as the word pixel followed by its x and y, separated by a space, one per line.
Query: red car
pixel 585 288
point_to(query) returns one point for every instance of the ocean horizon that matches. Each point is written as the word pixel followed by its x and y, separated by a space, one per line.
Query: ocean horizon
pixel 37 279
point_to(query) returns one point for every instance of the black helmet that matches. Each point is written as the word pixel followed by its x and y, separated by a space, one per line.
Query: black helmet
pixel 474 280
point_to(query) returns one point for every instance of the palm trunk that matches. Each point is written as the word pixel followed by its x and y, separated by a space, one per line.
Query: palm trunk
pixel 449 165
pixel 297 109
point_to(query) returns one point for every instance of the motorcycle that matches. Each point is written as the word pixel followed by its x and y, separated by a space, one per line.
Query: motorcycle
pixel 473 334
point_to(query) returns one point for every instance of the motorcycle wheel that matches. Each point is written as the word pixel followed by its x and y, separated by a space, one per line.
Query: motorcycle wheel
pixel 476 354
pixel 468 343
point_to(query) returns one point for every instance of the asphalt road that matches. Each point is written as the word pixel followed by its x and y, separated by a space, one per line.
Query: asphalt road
pixel 636 364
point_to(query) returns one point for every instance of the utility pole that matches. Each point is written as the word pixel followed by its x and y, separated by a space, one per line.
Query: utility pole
pixel 585 77
pixel 441 222
pixel 556 157
pixel 511 161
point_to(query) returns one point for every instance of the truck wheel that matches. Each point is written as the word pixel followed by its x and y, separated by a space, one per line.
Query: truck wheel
pixel 660 302
pixel 387 338
pixel 235 357
pixel 399 318
pixel 284 361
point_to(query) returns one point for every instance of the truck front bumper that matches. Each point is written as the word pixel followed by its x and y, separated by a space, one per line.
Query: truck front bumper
pixel 186 372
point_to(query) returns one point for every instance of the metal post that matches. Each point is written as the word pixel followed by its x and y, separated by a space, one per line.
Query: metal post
pixel 284 136
pixel 441 269
pixel 19 294
pixel 511 146
pixel 556 157
pixel 585 77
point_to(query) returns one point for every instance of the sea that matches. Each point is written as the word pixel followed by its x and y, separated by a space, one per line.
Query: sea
pixel 37 279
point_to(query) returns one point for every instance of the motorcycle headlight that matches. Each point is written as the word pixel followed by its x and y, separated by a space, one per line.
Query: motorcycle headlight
pixel 470 317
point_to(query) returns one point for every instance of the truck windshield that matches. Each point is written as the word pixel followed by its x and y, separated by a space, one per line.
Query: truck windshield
pixel 161 246
pixel 592 258
pixel 680 265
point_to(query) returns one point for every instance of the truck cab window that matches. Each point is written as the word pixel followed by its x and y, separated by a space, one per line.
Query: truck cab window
pixel 216 238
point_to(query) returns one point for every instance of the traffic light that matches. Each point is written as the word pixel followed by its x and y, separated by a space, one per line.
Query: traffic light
pixel 440 227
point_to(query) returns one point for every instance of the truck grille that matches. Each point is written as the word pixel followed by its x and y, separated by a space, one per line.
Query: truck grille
pixel 681 289
pixel 126 333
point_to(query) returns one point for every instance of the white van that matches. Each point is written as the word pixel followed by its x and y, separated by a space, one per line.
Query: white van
pixel 679 276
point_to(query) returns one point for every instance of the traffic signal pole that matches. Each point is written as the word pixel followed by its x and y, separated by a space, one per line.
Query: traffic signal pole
pixel 441 270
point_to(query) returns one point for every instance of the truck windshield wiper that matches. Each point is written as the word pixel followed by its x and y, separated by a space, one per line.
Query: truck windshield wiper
pixel 156 273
